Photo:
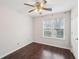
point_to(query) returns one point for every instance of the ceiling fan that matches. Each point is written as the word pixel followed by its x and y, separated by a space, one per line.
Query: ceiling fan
pixel 38 6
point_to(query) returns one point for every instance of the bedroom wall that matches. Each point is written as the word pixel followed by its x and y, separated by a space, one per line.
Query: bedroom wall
pixel 38 32
pixel 74 30
pixel 15 30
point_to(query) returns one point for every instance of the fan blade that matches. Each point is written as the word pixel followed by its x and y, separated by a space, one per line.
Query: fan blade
pixel 49 9
pixel 28 4
pixel 31 10
pixel 45 1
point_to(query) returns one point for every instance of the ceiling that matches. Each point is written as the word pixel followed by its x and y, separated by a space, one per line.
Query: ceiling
pixel 56 5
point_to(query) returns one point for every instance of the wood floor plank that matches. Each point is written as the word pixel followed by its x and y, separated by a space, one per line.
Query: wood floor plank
pixel 40 51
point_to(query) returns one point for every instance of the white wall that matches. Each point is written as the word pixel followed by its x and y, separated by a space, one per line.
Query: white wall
pixel 74 31
pixel 15 30
pixel 38 30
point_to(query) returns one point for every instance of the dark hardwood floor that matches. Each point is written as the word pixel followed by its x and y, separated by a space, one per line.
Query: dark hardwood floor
pixel 40 51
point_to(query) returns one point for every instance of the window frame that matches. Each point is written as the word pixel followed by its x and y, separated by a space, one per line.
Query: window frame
pixel 50 27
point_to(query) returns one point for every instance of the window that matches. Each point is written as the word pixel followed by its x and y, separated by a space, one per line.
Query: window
pixel 53 28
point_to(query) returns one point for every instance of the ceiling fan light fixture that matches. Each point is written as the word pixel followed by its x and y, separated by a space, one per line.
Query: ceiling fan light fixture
pixel 38 10
pixel 39 6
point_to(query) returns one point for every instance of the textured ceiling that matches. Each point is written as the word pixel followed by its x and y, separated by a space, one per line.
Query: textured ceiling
pixel 56 5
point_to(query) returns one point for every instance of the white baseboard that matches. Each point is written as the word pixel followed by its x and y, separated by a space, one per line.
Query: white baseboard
pixel 73 53
pixel 52 45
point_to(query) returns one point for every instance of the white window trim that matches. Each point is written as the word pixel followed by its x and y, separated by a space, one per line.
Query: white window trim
pixel 53 37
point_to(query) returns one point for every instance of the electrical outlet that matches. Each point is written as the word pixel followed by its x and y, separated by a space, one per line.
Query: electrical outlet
pixel 18 43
